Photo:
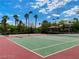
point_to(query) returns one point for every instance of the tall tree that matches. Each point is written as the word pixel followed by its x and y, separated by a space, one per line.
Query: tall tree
pixel 16 19
pixel 30 12
pixel 20 27
pixel 4 23
pixel 75 25
pixel 36 17
pixel 44 26
pixel 27 17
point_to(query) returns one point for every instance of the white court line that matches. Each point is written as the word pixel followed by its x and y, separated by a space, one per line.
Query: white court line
pixel 53 45
pixel 25 48
pixel 61 51
pixel 38 53
pixel 60 40
pixel 55 39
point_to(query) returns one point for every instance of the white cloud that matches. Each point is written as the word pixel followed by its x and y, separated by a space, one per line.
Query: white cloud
pixel 36 6
pixel 48 17
pixel 39 3
pixel 43 11
pixel 56 15
pixel 71 11
pixel 57 4
pixel 11 22
pixel 51 4
pixel 17 6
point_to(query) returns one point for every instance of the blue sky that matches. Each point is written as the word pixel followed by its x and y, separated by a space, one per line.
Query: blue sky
pixel 45 9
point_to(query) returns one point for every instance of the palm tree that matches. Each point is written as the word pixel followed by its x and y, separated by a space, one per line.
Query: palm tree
pixel 26 17
pixel 20 26
pixel 4 23
pixel 35 16
pixel 16 19
pixel 30 12
pixel 20 22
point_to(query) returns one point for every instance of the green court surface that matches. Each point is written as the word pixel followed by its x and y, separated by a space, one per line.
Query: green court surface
pixel 46 45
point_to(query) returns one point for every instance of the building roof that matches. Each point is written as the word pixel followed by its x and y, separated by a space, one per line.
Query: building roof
pixel 53 27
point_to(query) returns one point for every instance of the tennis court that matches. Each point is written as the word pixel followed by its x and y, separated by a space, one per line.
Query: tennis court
pixel 47 45
pixel 39 46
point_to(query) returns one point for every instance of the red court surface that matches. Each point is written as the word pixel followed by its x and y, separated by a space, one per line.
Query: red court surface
pixel 9 50
pixel 68 54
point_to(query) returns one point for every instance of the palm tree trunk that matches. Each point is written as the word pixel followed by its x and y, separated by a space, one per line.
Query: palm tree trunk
pixel 35 23
pixel 15 23
pixel 26 23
